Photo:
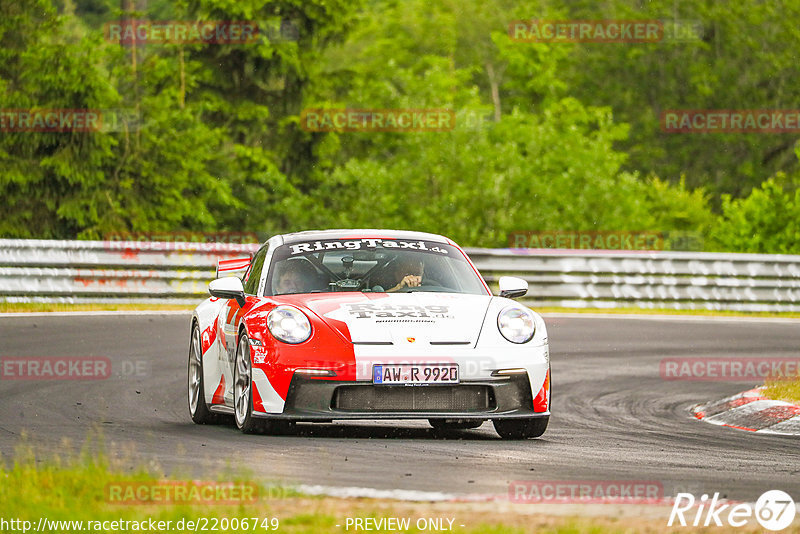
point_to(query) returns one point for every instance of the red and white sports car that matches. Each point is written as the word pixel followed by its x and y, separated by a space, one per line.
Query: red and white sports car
pixel 367 324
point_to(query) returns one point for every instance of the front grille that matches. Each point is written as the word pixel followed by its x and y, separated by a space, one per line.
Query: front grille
pixel 462 398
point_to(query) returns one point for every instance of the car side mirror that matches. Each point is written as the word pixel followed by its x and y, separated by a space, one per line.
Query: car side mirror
pixel 228 287
pixel 512 287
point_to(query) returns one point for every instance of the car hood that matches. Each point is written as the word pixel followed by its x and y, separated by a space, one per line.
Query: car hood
pixel 400 318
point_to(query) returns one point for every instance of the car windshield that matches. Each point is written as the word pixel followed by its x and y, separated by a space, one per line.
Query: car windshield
pixel 371 265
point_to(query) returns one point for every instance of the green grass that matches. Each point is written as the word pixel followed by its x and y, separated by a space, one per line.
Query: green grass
pixel 72 487
pixel 785 390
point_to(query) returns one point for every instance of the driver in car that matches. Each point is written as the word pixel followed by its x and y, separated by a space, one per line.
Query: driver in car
pixel 298 276
pixel 409 272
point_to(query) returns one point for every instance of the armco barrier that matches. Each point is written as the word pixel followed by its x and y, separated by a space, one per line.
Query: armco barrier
pixel 178 273
pixel 675 280
pixel 110 271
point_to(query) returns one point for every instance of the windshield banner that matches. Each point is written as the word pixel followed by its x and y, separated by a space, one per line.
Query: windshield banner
pixel 366 243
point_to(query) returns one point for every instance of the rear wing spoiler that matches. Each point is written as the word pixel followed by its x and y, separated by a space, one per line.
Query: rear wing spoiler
pixel 233 266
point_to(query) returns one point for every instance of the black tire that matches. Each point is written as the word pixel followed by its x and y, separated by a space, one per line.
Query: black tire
pixel 532 427
pixel 243 389
pixel 198 409
pixel 455 424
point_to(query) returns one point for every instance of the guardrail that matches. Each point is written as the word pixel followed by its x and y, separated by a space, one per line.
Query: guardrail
pixel 110 271
pixel 178 273
pixel 674 280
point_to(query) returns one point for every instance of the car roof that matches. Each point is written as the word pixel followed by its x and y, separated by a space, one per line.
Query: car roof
pixel 361 233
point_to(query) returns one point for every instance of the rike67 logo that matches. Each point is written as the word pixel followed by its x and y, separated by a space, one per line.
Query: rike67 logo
pixel 774 510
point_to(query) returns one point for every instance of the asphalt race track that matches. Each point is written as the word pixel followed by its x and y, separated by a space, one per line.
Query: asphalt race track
pixel 614 417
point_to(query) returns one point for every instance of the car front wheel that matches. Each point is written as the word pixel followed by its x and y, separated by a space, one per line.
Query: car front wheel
pixel 243 388
pixel 531 427
pixel 243 396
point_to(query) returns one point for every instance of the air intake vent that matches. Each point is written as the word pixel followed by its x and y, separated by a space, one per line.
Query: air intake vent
pixel 462 398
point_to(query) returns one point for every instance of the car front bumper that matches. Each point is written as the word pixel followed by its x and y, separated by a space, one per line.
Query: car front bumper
pixel 311 399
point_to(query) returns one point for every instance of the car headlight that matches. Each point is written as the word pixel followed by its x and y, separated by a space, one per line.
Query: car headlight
pixel 516 324
pixel 289 324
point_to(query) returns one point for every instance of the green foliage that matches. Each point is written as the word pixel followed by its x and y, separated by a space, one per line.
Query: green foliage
pixel 676 207
pixel 768 220
pixel 154 174
pixel 45 177
pixel 255 91
pixel 742 58
pixel 548 136
pixel 548 166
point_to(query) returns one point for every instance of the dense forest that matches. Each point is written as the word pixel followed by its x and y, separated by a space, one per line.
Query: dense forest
pixel 549 135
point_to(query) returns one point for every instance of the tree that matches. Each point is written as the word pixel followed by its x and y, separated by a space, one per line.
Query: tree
pixel 742 57
pixel 152 174
pixel 551 165
pixel 766 221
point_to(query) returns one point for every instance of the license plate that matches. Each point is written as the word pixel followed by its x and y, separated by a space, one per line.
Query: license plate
pixel 415 374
